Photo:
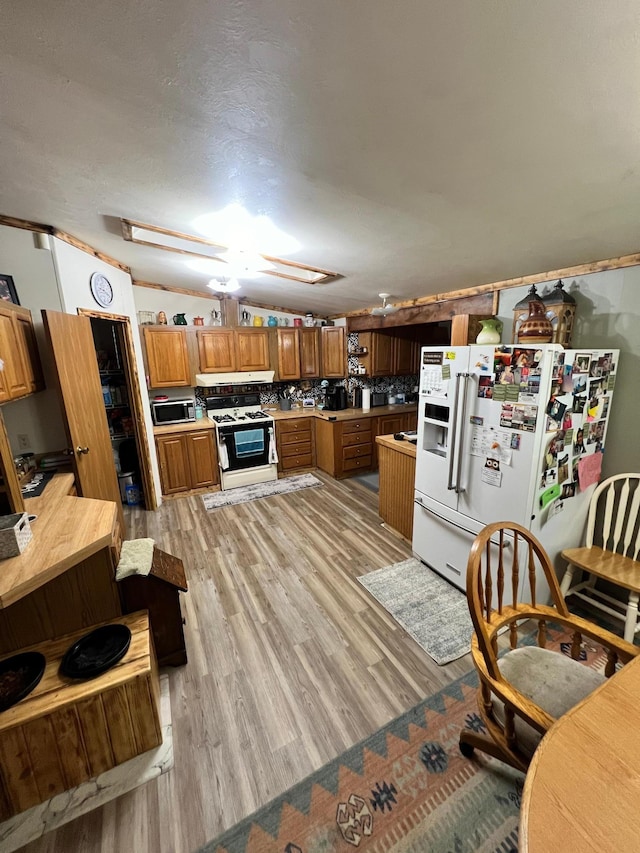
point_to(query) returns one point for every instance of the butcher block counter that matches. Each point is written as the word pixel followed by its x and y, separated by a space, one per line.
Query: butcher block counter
pixel 397 466
pixel 64 580
pixel 191 426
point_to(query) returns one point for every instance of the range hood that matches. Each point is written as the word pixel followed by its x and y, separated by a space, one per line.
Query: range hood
pixel 251 377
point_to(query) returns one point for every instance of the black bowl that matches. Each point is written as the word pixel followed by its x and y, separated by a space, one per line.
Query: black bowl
pixel 96 652
pixel 18 676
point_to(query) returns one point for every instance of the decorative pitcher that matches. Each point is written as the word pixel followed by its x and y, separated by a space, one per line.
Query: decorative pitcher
pixel 180 320
pixel 490 332
pixel 257 320
pixel 272 321
pixel 536 327
pixel 245 319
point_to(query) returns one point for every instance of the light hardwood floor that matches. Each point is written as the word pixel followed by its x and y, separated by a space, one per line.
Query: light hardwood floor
pixel 290 662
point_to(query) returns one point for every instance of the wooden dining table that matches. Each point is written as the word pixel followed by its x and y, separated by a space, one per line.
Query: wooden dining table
pixel 582 790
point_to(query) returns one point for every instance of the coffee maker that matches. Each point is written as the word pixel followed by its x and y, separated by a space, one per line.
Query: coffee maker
pixel 336 398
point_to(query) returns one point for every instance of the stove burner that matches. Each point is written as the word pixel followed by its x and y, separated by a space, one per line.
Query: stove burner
pixel 223 419
pixel 256 415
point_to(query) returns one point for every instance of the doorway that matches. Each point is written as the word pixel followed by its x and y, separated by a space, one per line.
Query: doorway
pixel 116 363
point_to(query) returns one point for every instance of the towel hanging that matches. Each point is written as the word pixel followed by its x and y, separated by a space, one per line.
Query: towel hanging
pixel 273 453
pixel 223 454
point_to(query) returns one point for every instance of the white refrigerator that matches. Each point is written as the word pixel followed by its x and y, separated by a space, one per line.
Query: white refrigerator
pixel 507 433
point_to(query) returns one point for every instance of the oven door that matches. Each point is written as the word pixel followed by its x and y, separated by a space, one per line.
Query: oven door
pixel 247 444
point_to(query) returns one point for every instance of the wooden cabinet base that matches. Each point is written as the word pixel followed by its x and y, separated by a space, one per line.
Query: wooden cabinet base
pixel 66 732
pixel 397 466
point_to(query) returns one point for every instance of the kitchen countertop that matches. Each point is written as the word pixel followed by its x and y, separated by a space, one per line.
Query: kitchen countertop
pixel 406 447
pixel 67 530
pixel 345 414
pixel 191 426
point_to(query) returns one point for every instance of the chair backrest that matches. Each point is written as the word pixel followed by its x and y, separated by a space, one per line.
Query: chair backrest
pixel 614 515
pixel 503 556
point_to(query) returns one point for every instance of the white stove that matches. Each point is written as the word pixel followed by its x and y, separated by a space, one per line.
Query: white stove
pixel 246 440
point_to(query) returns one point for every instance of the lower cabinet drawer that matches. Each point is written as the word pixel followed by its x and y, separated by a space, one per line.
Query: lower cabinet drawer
pixel 363 425
pixel 295 437
pixel 356 438
pixel 303 460
pixel 357 450
pixel 300 448
pixel 358 462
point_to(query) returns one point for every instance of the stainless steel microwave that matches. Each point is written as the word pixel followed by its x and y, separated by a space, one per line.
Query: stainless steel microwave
pixel 172 411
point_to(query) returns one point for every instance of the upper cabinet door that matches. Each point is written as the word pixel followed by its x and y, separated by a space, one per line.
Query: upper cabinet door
pixel 405 357
pixel 167 357
pixel 14 381
pixel 334 360
pixel 253 349
pixel 288 354
pixel 30 356
pixel 309 353
pixel 217 351
pixel 381 354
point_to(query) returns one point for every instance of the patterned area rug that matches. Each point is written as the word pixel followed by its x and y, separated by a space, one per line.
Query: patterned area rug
pixel 243 494
pixel 429 608
pixel 404 789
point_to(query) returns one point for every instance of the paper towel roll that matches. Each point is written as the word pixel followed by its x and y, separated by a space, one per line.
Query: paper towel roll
pixel 366 399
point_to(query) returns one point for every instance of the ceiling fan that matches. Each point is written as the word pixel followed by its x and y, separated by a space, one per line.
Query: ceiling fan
pixel 229 285
pixel 385 309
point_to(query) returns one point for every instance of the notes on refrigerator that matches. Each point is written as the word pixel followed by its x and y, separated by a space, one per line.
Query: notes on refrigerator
pixel 491 443
pixel 589 468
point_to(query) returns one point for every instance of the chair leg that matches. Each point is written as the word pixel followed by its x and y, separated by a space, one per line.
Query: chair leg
pixel 565 585
pixel 469 741
pixel 632 617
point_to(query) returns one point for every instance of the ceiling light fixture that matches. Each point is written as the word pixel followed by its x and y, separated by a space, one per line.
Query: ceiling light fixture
pixel 385 309
pixel 245 264
pixel 236 227
pixel 228 286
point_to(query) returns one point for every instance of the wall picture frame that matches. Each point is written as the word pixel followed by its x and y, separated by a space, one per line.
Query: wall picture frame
pixel 8 289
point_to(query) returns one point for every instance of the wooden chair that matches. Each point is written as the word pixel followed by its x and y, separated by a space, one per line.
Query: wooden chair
pixel 523 691
pixel 611 551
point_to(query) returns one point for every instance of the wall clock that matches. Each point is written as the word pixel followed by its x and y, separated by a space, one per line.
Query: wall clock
pixel 101 289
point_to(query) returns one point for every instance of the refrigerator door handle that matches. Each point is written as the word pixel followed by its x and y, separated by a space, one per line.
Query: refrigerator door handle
pixel 454 433
pixel 463 417
pixel 506 543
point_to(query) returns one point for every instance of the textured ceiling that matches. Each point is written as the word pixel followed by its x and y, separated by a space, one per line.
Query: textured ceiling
pixel 416 147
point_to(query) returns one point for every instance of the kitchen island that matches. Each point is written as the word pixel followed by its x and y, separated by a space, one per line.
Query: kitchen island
pixel 64 580
pixel 397 465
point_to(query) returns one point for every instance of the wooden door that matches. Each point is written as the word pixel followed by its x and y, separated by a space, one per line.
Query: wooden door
pixel 381 355
pixel 217 351
pixel 167 357
pixel 309 353
pixel 334 362
pixel 288 354
pixel 253 349
pixel 202 458
pixel 14 375
pixel 83 410
pixel 174 463
pixel 405 359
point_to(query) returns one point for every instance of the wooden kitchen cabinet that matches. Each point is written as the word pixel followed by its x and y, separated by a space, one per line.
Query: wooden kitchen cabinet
pixel 309 353
pixel 188 460
pixel 22 374
pixel 391 424
pixel 406 356
pixel 217 351
pixel 167 356
pixel 295 441
pixel 333 353
pixel 288 354
pixel 381 355
pixel 252 346
pixel 344 447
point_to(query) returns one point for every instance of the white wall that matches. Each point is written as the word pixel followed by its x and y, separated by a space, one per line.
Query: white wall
pixel 150 299
pixel 39 416
pixel 74 269
pixel 607 315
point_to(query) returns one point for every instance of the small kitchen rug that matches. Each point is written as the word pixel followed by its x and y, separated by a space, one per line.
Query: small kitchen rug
pixel 244 494
pixel 429 608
